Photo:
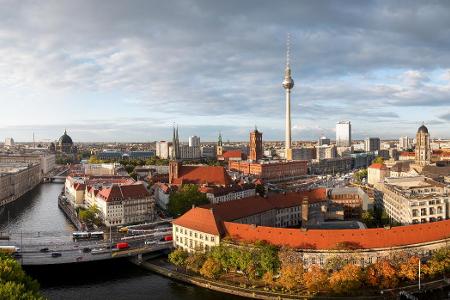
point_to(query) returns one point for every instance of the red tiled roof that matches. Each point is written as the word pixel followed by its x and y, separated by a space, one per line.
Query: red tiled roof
pixel 123 192
pixel 377 166
pixel 232 154
pixel 328 239
pixel 214 175
pixel 405 153
pixel 240 208
pixel 201 219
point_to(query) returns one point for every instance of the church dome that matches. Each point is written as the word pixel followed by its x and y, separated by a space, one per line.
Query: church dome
pixel 65 139
pixel 422 129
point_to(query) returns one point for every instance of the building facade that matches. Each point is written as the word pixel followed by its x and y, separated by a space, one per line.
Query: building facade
pixel 256 146
pixel 16 179
pixel 272 171
pixel 423 147
pixel 343 134
pixel 372 144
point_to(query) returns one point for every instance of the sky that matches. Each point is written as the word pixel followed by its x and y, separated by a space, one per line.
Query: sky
pixel 128 70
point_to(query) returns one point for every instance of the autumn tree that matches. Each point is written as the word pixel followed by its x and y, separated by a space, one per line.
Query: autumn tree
pixel 315 279
pixel 409 268
pixel 439 263
pixel 382 274
pixel 195 261
pixel 346 280
pixel 211 268
pixel 291 276
pixel 178 257
pixel 268 278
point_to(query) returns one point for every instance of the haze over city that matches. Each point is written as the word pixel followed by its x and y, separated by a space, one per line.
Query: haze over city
pixel 111 71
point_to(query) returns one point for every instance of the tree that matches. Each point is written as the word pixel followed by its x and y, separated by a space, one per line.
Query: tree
pixel 90 215
pixel 409 268
pixel 195 261
pixel 94 160
pixel 346 280
pixel 211 268
pixel 315 279
pixel 360 175
pixel 439 263
pixel 268 258
pixel 260 190
pixel 382 274
pixel 178 257
pixel 368 218
pixel 378 160
pixel 291 276
pixel 14 283
pixel 182 200
pixel 268 278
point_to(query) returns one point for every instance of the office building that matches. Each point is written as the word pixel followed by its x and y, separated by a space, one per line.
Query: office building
pixel 9 142
pixel 372 144
pixel 404 143
pixel 323 140
pixel 162 149
pixel 194 141
pixel 343 134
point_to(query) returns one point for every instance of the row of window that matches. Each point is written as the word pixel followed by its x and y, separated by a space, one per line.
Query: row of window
pixel 194 234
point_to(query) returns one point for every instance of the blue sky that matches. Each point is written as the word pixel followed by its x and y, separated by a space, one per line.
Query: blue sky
pixel 127 70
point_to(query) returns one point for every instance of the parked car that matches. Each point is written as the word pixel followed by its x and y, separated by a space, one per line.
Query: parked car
pixel 44 250
pixel 86 250
pixel 56 254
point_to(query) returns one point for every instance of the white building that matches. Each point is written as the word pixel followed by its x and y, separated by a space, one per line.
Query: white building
pixel 343 134
pixel 9 142
pixel 404 143
pixel 47 161
pixel 208 151
pixel 411 200
pixel 125 204
pixel 162 149
pixel 376 173
pixel 325 152
pixel 194 141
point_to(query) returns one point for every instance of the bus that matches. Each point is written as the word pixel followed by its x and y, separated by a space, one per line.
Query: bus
pixel 84 235
pixel 9 249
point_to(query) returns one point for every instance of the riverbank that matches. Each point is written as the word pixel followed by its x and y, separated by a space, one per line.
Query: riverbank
pixel 160 266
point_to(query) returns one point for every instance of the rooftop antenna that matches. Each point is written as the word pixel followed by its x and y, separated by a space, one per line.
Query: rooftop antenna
pixel 288 50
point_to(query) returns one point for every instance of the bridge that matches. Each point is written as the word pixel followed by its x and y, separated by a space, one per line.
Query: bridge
pixel 58 177
pixel 52 248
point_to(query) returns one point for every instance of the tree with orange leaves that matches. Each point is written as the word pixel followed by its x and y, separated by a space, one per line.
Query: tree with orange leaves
pixel 346 280
pixel 291 276
pixel 315 279
pixel 409 268
pixel 382 274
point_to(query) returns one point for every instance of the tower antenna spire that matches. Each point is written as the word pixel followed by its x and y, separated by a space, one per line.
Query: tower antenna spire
pixel 288 50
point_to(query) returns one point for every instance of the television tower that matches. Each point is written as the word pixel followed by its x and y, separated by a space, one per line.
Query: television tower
pixel 288 84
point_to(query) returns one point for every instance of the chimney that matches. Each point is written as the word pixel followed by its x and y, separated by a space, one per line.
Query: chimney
pixel 193 205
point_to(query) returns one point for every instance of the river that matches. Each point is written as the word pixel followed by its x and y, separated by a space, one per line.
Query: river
pixel 113 279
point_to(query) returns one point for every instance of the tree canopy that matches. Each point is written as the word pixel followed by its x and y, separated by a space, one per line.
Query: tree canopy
pixel 182 200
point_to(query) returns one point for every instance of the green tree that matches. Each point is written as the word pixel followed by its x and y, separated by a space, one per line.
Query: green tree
pixel 195 261
pixel 178 257
pixel 90 215
pixel 94 160
pixel 378 160
pixel 368 218
pixel 260 190
pixel 360 175
pixel 182 200
pixel 14 283
pixel 268 258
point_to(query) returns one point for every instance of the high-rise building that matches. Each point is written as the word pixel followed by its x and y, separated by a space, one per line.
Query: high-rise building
pixel 372 144
pixel 404 143
pixel 9 142
pixel 423 147
pixel 256 146
pixel 288 84
pixel 162 149
pixel 323 140
pixel 343 134
pixel 194 141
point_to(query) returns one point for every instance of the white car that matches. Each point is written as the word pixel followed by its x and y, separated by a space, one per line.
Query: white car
pixel 149 242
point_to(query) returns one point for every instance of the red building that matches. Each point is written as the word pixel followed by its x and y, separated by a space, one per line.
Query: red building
pixel 256 146
pixel 271 170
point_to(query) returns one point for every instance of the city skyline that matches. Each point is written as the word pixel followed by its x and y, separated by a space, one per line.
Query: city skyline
pixel 218 68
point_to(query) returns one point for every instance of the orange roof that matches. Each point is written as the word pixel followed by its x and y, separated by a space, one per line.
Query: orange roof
pixel 214 175
pixel 232 154
pixel 406 153
pixel 200 219
pixel 240 208
pixel 377 166
pixel 123 192
pixel 328 239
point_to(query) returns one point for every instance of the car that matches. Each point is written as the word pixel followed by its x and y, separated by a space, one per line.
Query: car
pixel 86 250
pixel 56 254
pixel 149 242
pixel 99 250
pixel 44 250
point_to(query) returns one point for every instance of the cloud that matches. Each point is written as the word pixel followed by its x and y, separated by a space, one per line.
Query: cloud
pixel 202 63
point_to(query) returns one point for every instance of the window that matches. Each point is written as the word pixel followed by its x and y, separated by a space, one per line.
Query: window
pixel 212 238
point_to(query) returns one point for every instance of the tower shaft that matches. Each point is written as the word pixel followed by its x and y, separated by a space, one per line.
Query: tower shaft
pixel 288 142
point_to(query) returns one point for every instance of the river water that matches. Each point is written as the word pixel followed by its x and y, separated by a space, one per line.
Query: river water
pixel 113 279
